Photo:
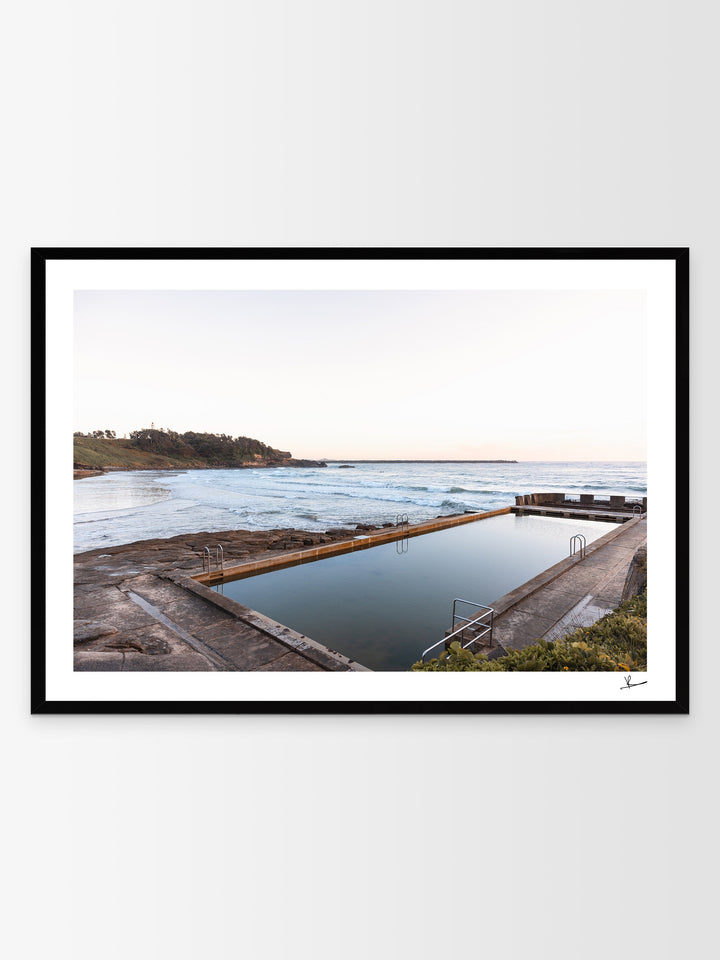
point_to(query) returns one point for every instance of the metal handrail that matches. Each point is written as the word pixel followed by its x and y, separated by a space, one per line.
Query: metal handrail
pixel 638 507
pixel 578 542
pixel 470 603
pixel 467 625
pixel 219 559
pixel 401 520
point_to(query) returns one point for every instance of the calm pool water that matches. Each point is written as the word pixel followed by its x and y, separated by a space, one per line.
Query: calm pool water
pixel 383 607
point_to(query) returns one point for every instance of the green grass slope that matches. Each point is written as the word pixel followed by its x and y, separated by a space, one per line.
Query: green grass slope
pixel 91 454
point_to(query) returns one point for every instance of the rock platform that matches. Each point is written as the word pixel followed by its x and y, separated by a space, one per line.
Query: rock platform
pixel 137 608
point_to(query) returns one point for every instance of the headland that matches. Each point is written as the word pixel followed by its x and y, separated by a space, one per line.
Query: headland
pixel 151 449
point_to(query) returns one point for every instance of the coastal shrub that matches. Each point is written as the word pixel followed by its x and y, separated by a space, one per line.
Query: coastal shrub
pixel 617 642
pixel 217 449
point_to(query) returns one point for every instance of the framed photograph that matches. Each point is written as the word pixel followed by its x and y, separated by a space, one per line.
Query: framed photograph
pixel 338 480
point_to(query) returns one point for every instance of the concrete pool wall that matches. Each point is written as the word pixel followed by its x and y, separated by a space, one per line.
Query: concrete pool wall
pixel 241 570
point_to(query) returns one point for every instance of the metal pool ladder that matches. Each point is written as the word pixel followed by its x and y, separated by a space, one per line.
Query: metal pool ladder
pixel 578 543
pixel 219 559
pixel 401 520
pixel 478 627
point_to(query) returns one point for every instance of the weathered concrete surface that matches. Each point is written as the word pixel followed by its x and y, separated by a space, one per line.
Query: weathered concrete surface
pixel 580 513
pixel 572 593
pixel 137 609
pixel 636 580
pixel 627 504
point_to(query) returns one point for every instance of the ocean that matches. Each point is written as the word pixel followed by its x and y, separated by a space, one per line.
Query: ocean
pixel 122 507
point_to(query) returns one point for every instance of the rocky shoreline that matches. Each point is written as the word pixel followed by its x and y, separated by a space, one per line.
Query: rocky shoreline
pixel 185 551
pixel 112 633
pixel 81 472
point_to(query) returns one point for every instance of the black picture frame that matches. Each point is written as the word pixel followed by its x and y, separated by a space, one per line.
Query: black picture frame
pixel 40 704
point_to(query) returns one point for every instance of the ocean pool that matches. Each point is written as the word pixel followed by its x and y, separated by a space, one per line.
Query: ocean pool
pixel 384 605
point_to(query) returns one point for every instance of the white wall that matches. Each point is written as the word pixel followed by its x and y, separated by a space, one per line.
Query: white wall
pixel 399 123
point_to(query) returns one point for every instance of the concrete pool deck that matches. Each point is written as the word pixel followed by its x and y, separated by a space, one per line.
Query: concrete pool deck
pixel 569 513
pixel 138 609
pixel 573 593
pixel 155 623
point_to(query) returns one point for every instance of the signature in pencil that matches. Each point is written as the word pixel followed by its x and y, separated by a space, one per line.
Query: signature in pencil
pixel 628 684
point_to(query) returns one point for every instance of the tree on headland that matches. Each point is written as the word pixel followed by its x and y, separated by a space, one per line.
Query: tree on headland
pixel 96 434
pixel 217 449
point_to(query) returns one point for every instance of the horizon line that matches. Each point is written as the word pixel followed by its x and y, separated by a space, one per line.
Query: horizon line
pixel 463 460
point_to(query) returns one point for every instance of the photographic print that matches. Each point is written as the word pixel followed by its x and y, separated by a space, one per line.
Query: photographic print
pixel 360 480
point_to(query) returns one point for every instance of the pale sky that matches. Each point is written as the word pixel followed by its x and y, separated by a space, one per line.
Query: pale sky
pixel 371 374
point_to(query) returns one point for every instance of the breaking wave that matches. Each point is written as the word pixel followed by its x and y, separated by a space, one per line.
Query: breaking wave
pixel 124 507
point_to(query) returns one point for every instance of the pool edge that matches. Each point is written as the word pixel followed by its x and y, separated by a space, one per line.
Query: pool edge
pixel 296 557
